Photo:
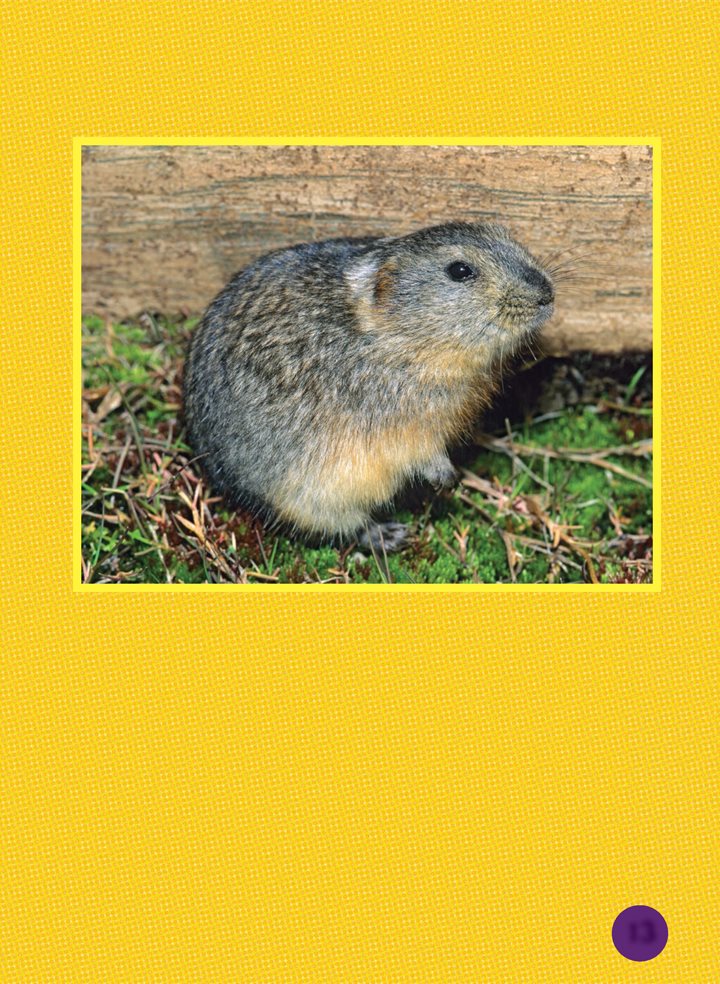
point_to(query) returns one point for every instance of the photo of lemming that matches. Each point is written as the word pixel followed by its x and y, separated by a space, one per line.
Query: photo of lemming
pixel 367 365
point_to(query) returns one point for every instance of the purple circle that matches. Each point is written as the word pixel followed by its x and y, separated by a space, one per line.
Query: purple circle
pixel 640 933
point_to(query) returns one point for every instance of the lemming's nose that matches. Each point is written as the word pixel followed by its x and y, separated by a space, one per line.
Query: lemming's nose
pixel 537 279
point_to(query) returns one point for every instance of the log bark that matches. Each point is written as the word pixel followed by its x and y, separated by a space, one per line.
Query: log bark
pixel 164 228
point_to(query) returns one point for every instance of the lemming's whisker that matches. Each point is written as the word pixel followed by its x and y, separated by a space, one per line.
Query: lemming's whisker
pixel 571 275
pixel 576 277
pixel 563 257
pixel 558 267
pixel 547 258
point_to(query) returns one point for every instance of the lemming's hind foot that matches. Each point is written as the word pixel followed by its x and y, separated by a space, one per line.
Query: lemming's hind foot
pixel 383 536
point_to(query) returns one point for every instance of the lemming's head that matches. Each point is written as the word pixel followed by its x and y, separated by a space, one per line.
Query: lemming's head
pixel 471 282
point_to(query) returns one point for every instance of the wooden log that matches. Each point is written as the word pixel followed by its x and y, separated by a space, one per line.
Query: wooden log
pixel 164 228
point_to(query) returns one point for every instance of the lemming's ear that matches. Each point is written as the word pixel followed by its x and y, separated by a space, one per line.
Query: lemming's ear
pixel 370 279
pixel 361 275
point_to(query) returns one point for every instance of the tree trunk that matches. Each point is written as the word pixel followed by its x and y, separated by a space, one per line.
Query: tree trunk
pixel 164 228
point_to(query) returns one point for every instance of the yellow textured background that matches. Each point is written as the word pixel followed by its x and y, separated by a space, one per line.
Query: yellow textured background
pixel 377 787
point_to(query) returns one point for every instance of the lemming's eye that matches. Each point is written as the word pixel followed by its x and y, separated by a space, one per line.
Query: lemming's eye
pixel 460 271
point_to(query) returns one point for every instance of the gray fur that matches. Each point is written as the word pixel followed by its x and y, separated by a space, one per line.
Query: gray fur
pixel 312 354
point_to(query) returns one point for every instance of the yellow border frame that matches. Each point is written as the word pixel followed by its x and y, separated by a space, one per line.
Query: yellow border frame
pixel 80 142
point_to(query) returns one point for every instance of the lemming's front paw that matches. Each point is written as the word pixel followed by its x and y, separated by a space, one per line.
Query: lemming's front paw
pixel 383 536
pixel 441 473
